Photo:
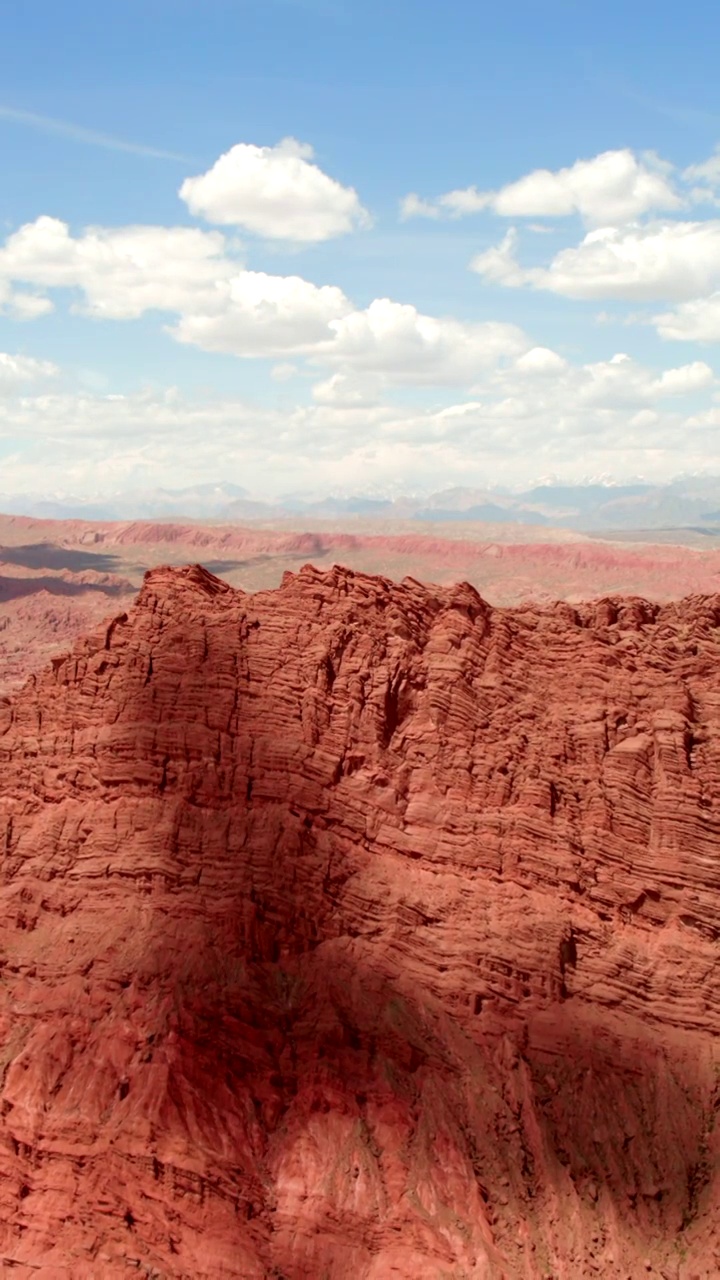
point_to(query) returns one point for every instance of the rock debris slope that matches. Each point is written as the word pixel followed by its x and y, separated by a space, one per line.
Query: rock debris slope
pixel 361 930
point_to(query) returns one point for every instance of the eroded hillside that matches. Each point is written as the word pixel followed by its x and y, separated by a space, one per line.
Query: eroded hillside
pixel 360 929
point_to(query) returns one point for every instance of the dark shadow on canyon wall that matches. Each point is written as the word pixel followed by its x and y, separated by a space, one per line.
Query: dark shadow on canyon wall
pixel 47 555
pixel 285 1007
pixel 281 1016
pixel 18 588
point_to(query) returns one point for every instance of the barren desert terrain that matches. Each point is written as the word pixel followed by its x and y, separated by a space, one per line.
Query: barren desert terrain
pixel 60 577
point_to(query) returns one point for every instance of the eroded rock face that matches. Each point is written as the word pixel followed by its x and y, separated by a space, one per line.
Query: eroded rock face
pixel 360 930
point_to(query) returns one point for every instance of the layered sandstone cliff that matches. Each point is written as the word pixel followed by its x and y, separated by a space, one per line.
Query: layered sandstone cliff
pixel 355 930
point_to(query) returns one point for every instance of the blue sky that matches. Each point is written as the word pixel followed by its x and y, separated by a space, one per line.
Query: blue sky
pixel 370 344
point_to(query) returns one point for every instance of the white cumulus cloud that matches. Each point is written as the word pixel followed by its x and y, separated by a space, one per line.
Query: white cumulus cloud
pixel 275 192
pixel 347 389
pixel 216 304
pixel 707 175
pixel 610 189
pixel 396 340
pixel 17 371
pixel 413 206
pixel 695 321
pixel 541 360
pixel 122 272
pixel 256 314
pixel 673 260
pixel 541 382
pixel 270 315
pixel 534 413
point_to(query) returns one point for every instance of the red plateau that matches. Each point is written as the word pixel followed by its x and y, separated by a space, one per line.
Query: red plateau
pixel 358 930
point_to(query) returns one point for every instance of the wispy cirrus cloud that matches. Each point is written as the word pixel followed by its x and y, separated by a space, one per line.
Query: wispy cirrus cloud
pixel 78 133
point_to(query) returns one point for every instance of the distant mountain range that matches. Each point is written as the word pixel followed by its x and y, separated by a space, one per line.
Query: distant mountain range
pixel 692 502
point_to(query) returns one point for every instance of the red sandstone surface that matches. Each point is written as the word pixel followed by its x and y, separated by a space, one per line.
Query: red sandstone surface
pixel 43 611
pixel 363 930
pixel 58 578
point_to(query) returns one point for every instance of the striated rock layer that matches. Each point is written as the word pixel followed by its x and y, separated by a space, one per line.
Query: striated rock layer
pixel 360 930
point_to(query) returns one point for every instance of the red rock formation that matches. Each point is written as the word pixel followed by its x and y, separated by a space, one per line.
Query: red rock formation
pixel 42 615
pixel 363 931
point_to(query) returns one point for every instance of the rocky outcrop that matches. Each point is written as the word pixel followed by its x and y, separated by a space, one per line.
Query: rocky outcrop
pixel 362 930
pixel 40 620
